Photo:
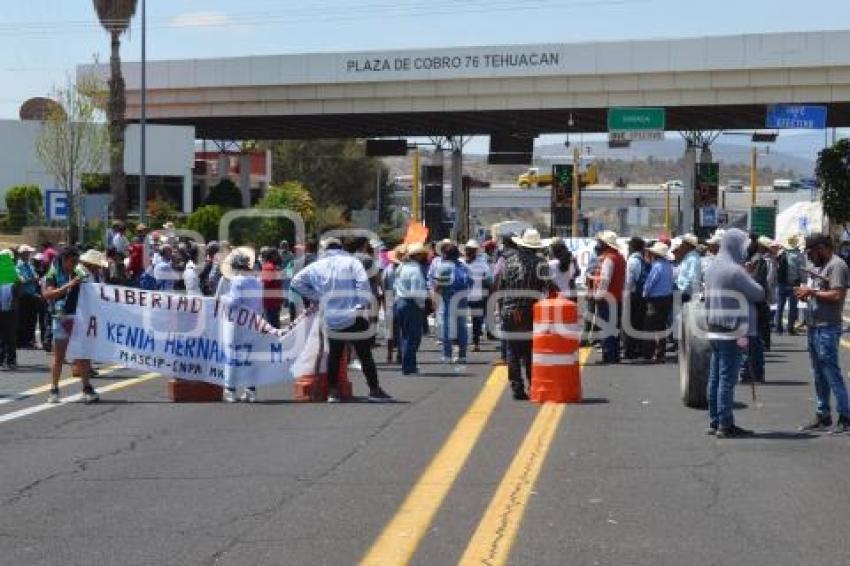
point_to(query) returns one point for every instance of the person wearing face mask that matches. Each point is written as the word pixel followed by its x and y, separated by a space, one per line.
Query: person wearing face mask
pixel 825 292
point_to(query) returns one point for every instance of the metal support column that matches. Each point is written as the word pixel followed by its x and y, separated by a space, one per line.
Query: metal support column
pixel 460 228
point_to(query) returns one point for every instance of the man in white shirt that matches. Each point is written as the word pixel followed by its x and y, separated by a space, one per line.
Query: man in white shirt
pixel 117 239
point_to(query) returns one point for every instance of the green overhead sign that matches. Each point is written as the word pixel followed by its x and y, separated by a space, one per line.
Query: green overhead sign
pixel 636 119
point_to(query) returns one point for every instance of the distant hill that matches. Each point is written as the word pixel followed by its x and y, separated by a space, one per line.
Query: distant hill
pixel 644 162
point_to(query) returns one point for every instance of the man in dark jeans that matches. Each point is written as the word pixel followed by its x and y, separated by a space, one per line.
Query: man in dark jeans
pixel 524 280
pixel 338 283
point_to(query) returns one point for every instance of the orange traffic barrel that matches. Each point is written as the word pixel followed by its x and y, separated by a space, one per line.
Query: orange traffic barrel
pixel 555 370
pixel 314 387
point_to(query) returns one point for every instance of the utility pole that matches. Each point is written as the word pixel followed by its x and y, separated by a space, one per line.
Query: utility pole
pixel 668 217
pixel 143 189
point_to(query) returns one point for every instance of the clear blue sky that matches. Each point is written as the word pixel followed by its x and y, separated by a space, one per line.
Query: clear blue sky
pixel 41 42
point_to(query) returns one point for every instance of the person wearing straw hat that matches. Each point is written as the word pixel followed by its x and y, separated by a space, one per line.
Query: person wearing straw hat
pixel 29 297
pixel 789 274
pixel 524 280
pixel 410 290
pixel 93 262
pixel 608 281
pixel 689 276
pixel 244 290
pixel 658 293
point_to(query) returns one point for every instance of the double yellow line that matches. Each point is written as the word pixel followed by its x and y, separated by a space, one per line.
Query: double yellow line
pixel 496 532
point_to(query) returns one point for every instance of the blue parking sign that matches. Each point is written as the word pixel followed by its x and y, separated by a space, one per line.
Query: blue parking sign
pixel 56 205
pixel 796 116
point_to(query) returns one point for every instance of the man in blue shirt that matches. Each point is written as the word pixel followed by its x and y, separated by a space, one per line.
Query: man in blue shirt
pixel 689 278
pixel 658 292
pixel 338 282
pixel 410 291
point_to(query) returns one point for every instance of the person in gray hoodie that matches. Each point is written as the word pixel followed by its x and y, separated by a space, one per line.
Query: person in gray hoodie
pixel 731 296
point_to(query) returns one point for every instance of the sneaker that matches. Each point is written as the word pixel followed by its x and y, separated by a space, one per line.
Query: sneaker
pixel 379 396
pixel 711 430
pixel 444 360
pixel 817 424
pixel 249 395
pixel 355 365
pixel 53 396
pixel 733 431
pixel 230 396
pixel 333 396
pixel 90 396
pixel 841 426
pixel 520 395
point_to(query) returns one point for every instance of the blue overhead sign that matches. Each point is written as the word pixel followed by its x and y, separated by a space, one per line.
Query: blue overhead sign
pixel 796 116
pixel 56 205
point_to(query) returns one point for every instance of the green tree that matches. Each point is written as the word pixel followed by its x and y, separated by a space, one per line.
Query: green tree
pixel 225 194
pixel 115 16
pixel 292 196
pixel 334 171
pixel 833 172
pixel 205 221
pixel 25 205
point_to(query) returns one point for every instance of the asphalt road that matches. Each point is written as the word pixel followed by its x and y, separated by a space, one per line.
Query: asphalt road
pixel 454 471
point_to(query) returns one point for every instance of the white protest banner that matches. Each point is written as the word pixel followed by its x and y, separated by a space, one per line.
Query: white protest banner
pixel 188 337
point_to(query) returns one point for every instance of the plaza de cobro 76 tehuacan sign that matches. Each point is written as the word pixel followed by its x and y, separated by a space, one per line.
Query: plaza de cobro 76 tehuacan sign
pixel 447 60
pixel 187 337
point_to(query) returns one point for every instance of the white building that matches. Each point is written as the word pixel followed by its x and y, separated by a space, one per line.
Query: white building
pixel 170 158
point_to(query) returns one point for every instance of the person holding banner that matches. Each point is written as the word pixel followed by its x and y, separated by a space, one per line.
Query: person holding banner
pixel 338 282
pixel 62 289
pixel 244 290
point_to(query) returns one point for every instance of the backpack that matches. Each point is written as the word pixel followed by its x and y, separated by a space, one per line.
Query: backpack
pixel 148 282
pixel 453 277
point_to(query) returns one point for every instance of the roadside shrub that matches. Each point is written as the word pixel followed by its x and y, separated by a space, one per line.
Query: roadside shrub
pixel 25 205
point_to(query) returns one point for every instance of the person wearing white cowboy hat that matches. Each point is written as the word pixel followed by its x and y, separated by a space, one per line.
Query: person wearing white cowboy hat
pixel 608 281
pixel 410 292
pixel 530 239
pixel 244 291
pixel 789 265
pixel 658 292
pixel 29 298
pixel 689 276
pixel 525 273
pixel 482 283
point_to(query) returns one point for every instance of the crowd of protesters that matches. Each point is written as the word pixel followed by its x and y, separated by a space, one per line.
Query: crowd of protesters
pixel 632 300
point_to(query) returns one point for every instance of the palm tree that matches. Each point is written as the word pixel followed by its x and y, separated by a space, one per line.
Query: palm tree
pixel 115 16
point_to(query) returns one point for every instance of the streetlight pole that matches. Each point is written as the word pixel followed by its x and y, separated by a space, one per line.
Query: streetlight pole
pixel 143 189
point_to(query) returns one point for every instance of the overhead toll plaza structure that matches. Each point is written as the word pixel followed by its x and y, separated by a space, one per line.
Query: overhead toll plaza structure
pixel 707 83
